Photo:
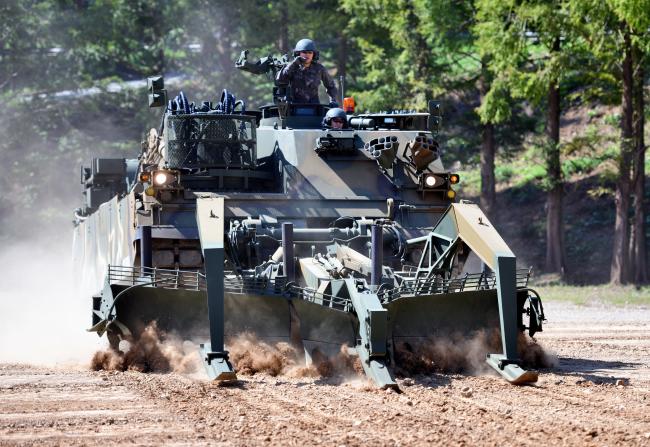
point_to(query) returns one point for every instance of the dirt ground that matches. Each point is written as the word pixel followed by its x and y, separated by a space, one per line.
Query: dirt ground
pixel 598 394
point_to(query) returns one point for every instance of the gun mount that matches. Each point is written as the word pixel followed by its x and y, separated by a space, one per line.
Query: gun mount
pixel 270 66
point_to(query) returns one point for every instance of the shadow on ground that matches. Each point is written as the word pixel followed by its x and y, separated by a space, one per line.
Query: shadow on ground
pixel 597 371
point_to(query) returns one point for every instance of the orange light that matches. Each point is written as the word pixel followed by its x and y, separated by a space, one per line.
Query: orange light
pixel 348 104
pixel 145 177
pixel 454 178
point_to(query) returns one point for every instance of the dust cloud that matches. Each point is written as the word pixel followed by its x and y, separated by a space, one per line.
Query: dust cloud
pixel 534 355
pixel 156 351
pixel 251 355
pixel 153 351
pixel 42 316
pixel 461 353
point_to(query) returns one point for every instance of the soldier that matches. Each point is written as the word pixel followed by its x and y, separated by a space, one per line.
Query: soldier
pixel 304 75
pixel 335 119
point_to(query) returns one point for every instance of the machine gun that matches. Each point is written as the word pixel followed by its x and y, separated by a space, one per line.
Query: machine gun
pixel 270 66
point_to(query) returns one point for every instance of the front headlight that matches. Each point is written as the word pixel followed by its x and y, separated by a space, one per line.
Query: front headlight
pixel 433 181
pixel 160 178
pixel 164 178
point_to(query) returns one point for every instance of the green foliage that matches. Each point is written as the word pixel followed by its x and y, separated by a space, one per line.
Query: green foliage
pixel 496 105
pixel 531 173
pixel 504 172
pixel 470 183
pixel 579 165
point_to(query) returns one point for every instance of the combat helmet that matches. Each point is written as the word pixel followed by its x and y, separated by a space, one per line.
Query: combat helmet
pixel 306 45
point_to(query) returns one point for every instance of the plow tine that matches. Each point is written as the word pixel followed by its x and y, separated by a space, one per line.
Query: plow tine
pixel 210 221
pixel 507 364
pixel 373 333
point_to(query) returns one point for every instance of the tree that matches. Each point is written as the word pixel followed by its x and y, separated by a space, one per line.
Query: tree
pixel 638 258
pixel 450 28
pixel 615 28
pixel 431 52
pixel 523 41
pixel 488 149
pixel 637 15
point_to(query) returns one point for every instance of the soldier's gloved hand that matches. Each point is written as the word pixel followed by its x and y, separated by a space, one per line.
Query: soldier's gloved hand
pixel 298 60
pixel 333 104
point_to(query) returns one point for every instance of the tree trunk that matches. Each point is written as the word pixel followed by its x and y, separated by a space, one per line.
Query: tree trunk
pixel 555 254
pixel 619 267
pixel 224 54
pixel 342 56
pixel 488 182
pixel 283 41
pixel 488 151
pixel 638 240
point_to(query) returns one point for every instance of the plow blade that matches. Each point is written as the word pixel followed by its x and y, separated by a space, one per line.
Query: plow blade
pixel 423 320
pixel 323 329
pixel 429 316
pixel 184 313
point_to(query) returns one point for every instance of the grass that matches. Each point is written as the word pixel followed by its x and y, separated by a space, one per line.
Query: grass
pixel 590 295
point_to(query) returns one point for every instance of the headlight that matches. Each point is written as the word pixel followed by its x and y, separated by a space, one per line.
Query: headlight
pixel 433 181
pixel 164 178
pixel 160 178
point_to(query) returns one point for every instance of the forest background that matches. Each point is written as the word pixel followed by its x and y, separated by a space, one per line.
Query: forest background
pixel 544 102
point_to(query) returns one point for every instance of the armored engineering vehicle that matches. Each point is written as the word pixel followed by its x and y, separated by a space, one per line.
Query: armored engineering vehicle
pixel 265 221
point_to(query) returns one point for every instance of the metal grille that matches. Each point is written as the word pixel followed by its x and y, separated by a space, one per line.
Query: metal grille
pixel 168 279
pixel 469 282
pixel 323 299
pixel 202 141
pixel 194 280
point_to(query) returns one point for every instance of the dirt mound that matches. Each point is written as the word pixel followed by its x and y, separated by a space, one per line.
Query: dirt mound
pixel 154 351
pixel 461 353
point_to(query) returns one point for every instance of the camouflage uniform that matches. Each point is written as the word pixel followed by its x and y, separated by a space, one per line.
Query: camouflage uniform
pixel 304 81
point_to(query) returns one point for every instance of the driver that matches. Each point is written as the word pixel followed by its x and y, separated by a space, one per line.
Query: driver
pixel 304 75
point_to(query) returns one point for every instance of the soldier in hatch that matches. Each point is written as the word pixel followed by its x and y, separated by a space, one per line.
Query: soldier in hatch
pixel 304 75
pixel 335 119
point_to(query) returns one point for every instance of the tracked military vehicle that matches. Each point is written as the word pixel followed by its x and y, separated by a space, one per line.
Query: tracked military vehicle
pixel 264 221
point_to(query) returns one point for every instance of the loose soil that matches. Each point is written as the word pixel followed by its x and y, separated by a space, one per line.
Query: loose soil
pixel 598 394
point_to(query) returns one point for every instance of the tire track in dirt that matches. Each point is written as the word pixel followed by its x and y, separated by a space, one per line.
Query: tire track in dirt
pixel 564 409
pixel 52 407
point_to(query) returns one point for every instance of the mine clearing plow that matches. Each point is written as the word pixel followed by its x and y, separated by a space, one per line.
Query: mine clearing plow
pixel 337 297
pixel 275 222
